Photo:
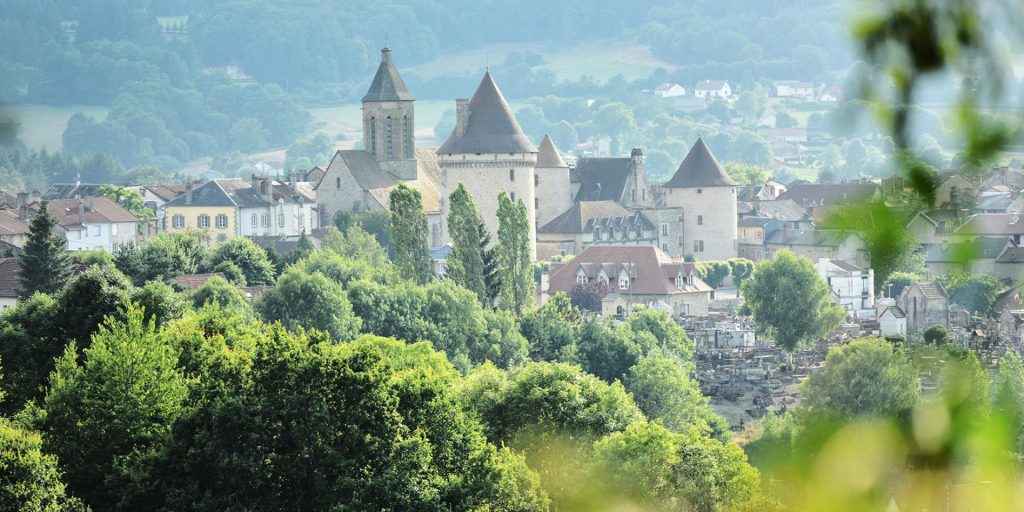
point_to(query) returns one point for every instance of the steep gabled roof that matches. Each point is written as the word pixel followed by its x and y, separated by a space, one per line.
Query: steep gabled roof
pixel 547 155
pixel 207 194
pixel 387 84
pixel 576 217
pixel 491 128
pixel 602 179
pixel 700 168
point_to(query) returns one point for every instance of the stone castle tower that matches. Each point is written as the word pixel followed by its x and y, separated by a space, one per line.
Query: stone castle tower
pixel 389 121
pixel 553 185
pixel 488 153
pixel 707 196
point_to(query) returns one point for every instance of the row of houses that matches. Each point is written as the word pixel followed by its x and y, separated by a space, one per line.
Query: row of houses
pixel 708 89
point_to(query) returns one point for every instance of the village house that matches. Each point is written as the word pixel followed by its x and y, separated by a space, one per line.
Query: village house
pixel 9 286
pixel 977 256
pixel 852 287
pixel 925 304
pixel 892 321
pixel 819 243
pixel 667 90
pixel 955 191
pixel 793 89
pixel 633 275
pixel 753 231
pixel 712 89
pixel 95 223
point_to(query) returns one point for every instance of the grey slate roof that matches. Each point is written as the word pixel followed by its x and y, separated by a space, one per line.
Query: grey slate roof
pixel 981 248
pixel 547 155
pixel 700 168
pixel 491 127
pixel 207 194
pixel 782 209
pixel 602 179
pixel 815 194
pixel 629 222
pixel 387 84
pixel 580 214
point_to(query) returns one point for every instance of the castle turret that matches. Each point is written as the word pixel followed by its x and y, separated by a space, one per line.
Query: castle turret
pixel 552 186
pixel 389 121
pixel 488 152
pixel 707 196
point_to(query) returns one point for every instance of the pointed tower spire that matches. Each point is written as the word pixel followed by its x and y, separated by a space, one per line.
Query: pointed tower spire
pixel 491 127
pixel 700 168
pixel 387 84
pixel 547 155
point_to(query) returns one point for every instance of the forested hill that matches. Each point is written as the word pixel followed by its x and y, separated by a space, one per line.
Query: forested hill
pixel 69 51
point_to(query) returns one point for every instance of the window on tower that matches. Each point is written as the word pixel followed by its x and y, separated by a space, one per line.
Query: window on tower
pixel 373 136
pixel 389 140
pixel 407 134
pixel 511 174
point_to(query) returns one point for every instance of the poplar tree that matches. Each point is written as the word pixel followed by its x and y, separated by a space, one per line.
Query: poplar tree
pixel 492 280
pixel 409 234
pixel 45 265
pixel 513 251
pixel 466 262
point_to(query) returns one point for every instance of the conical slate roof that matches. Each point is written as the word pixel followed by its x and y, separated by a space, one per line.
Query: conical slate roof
pixel 547 155
pixel 700 168
pixel 491 127
pixel 387 84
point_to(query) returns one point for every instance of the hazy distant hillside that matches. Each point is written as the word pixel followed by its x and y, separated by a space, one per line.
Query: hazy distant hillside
pixel 68 51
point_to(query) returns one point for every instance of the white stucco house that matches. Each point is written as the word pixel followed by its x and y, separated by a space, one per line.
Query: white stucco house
pixel 712 89
pixel 853 286
pixel 95 223
pixel 667 90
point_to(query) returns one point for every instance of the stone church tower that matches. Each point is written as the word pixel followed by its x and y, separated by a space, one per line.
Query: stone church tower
pixel 389 121
pixel 707 196
pixel 488 153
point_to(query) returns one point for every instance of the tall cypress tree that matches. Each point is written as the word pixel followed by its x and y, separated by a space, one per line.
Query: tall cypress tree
pixel 492 280
pixel 514 255
pixel 409 234
pixel 45 265
pixel 466 263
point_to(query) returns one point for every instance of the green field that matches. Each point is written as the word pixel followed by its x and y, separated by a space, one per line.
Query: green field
pixel 42 126
pixel 598 59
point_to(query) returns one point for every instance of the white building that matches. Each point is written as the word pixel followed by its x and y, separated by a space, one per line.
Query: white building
pixel 854 286
pixel 712 89
pixel 892 321
pixel 707 197
pixel 95 223
pixel 667 90
pixel 794 89
pixel 272 208
pixel 488 153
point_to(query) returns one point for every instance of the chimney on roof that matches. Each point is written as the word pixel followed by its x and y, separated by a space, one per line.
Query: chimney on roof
pixel 461 116
pixel 88 201
pixel 188 190
pixel 254 183
pixel 81 212
pixel 22 205
pixel 267 189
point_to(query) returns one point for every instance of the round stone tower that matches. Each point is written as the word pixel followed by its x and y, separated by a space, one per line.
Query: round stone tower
pixel 707 196
pixel 488 153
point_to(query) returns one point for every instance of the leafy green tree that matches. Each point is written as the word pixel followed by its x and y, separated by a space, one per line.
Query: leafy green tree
pixel 30 480
pixel 1009 394
pixel 789 301
pixel 89 298
pixel 220 292
pixel 898 281
pixel 740 268
pixel 651 468
pixel 552 330
pixel 588 296
pixel 936 335
pixel 120 401
pixel 249 257
pixel 31 337
pixel 513 252
pixel 746 174
pixel 492 276
pixel 44 264
pixel 130 200
pixel 713 272
pixel 356 244
pixel 865 377
pixel 892 248
pixel 466 262
pixel 409 232
pixel 378 224
pixel 163 256
pixel 784 120
pixel 665 392
pixel 310 301
pixel 616 121
pixel 284 422
pixel 160 302
pixel 976 292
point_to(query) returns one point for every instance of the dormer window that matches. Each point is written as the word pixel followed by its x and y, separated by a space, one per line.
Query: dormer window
pixel 602 277
pixel 623 282
pixel 581 276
